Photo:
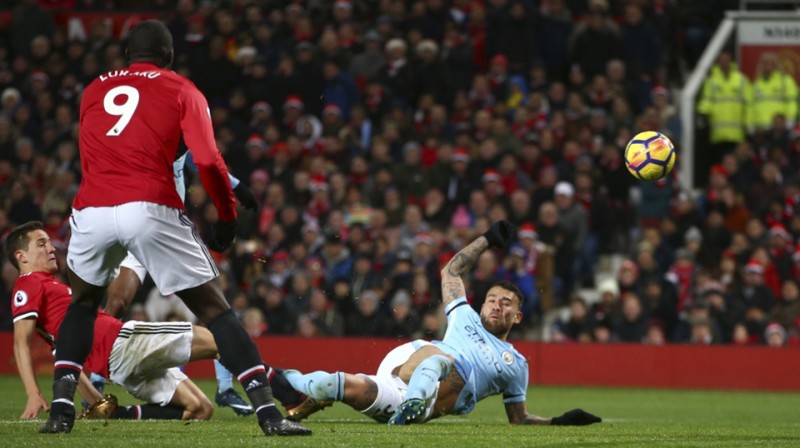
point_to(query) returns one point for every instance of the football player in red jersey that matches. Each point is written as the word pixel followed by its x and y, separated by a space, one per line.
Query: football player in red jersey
pixel 133 355
pixel 131 120
pixel 40 302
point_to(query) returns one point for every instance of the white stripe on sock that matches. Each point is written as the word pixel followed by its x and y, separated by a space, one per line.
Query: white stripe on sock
pixel 249 371
pixel 64 363
pixel 65 401
pixel 265 406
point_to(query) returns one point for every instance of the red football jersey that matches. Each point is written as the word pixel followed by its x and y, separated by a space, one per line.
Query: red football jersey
pixel 131 121
pixel 40 296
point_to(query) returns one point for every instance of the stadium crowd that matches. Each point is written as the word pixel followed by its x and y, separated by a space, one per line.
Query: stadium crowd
pixel 379 137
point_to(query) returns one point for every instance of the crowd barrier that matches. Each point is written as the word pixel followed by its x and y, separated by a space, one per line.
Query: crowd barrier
pixel 610 365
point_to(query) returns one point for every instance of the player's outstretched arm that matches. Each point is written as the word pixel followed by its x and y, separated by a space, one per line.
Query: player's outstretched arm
pixel 87 390
pixel 23 332
pixel 498 235
pixel 518 415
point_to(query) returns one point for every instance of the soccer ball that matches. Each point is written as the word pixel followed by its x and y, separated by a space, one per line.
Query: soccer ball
pixel 650 155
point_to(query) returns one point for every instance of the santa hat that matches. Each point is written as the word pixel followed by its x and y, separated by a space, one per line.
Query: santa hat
pixel 424 238
pixel 261 106
pixel 332 109
pixel 491 175
pixel 780 230
pixel 256 140
pixel 527 230
pixel 293 101
pixel 775 328
pixel 754 266
pixel 459 155
pixel 659 90
pixel 318 183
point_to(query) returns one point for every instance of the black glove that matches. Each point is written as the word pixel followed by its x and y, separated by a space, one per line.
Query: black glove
pixel 500 234
pixel 224 232
pixel 575 417
pixel 246 196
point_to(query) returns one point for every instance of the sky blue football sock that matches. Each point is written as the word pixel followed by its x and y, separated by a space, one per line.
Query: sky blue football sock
pixel 224 377
pixel 319 385
pixel 427 375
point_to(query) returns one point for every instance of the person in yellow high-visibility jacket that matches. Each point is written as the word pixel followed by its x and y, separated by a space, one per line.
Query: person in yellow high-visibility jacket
pixel 727 96
pixel 774 93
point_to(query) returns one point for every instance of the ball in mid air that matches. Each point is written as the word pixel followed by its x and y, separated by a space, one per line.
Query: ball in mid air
pixel 650 155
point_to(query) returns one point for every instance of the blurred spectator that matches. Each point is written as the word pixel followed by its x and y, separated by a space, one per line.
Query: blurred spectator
pixel 755 297
pixel 366 320
pixel 555 27
pixel 253 322
pixel 580 325
pixel 641 46
pixel 328 320
pixel 596 41
pixel 775 335
pixel 404 320
pixel 632 324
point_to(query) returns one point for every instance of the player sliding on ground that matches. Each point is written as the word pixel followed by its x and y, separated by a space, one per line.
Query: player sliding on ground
pixel 142 357
pixel 419 381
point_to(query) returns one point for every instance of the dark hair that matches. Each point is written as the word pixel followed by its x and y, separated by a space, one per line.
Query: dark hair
pixel 505 284
pixel 18 239
pixel 150 41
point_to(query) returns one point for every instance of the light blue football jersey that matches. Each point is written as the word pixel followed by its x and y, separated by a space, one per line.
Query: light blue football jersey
pixel 185 162
pixel 488 365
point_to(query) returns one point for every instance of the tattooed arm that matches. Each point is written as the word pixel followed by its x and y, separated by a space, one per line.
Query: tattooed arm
pixel 458 266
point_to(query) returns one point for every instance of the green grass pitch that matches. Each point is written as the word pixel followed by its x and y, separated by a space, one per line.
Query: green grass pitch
pixel 632 418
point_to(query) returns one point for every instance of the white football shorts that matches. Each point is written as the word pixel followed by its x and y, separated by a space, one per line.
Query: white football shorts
pixel 162 238
pixel 134 265
pixel 145 359
pixel 392 389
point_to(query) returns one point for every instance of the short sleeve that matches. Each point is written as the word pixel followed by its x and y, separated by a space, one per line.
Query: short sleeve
pixel 518 388
pixel 459 309
pixel 26 299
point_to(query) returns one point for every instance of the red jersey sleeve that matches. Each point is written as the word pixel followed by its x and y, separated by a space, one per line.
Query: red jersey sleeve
pixel 199 137
pixel 27 298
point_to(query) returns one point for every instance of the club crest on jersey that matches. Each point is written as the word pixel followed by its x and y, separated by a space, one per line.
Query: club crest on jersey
pixel 508 358
pixel 20 298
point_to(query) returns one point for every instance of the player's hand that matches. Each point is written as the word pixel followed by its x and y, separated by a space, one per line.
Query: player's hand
pixel 500 234
pixel 224 232
pixel 35 404
pixel 575 417
pixel 246 197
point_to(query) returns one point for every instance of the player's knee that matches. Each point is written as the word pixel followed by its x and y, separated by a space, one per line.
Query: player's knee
pixel 205 410
pixel 442 364
pixel 197 407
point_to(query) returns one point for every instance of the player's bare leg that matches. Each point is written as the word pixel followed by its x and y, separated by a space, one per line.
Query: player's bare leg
pixel 239 354
pixel 121 292
pixel 195 404
pixel 74 342
pixel 203 344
